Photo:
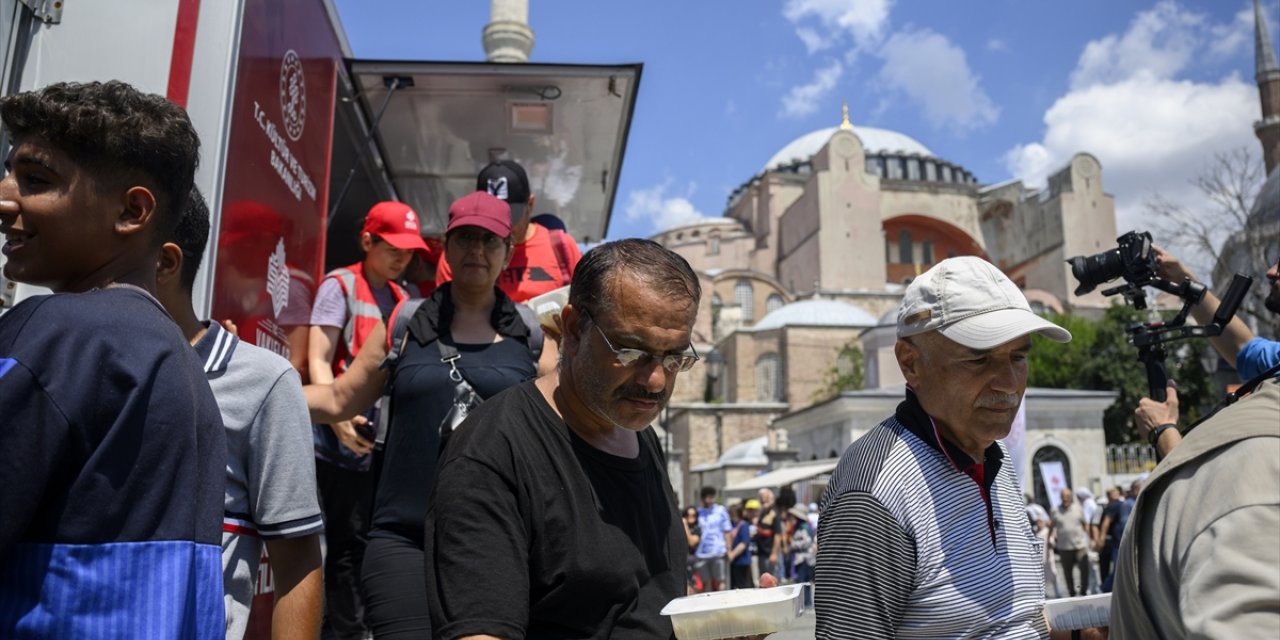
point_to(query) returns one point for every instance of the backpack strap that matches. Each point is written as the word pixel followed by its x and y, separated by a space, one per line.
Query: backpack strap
pixel 562 254
pixel 397 333
pixel 536 337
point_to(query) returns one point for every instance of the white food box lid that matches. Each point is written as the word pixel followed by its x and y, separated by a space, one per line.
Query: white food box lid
pixel 740 612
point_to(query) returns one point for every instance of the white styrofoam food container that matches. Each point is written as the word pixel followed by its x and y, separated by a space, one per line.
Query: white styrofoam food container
pixel 741 612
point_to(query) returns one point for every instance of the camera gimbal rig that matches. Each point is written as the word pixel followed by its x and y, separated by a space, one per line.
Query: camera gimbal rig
pixel 1150 337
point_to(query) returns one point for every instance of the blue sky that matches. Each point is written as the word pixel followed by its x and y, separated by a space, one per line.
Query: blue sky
pixel 1007 88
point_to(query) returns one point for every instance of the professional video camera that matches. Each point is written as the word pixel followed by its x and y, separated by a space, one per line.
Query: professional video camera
pixel 1134 261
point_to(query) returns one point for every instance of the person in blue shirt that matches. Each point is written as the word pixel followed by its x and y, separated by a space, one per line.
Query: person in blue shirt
pixel 743 517
pixel 1249 355
pixel 111 512
pixel 711 556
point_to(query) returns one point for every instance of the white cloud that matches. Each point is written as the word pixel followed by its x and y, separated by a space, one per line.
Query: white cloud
pixel 935 74
pixel 863 20
pixel 1162 42
pixel 663 211
pixel 997 45
pixel 814 41
pixel 923 65
pixel 1152 131
pixel 1229 39
pixel 805 99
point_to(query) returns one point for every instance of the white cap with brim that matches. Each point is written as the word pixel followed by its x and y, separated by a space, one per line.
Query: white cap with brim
pixel 971 302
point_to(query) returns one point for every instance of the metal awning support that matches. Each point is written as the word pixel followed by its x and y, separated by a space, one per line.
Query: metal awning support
pixel 392 83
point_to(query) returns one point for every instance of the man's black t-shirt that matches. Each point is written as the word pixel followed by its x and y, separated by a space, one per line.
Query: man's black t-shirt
pixel 767 528
pixel 1113 509
pixel 533 533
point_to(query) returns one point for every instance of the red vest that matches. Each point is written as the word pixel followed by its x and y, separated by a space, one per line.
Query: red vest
pixel 363 313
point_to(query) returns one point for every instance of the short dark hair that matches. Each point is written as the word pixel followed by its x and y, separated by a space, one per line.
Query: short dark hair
pixel 116 132
pixel 708 492
pixel 191 235
pixel 653 264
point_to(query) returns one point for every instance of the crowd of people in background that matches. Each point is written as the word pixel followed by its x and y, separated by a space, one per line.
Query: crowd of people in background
pixel 732 547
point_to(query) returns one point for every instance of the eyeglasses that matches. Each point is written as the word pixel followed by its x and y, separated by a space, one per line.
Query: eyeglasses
pixel 468 239
pixel 637 357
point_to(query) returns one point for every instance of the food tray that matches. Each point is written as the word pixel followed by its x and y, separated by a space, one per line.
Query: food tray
pixel 740 612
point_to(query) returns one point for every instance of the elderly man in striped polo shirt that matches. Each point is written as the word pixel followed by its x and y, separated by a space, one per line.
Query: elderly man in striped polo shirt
pixel 923 530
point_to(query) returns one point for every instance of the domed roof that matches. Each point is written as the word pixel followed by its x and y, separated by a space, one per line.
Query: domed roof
pixel 750 452
pixel 1266 208
pixel 873 140
pixel 820 313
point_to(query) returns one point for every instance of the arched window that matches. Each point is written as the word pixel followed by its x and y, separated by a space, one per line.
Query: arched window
pixel 905 255
pixel 913 168
pixel 926 252
pixel 772 303
pixel 713 245
pixel 1048 453
pixel 769 378
pixel 742 295
pixel 930 171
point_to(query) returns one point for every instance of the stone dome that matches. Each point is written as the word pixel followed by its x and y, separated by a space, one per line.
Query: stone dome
pixel 816 313
pixel 747 453
pixel 873 140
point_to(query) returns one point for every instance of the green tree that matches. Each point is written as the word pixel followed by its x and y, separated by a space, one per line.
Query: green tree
pixel 845 375
pixel 1100 357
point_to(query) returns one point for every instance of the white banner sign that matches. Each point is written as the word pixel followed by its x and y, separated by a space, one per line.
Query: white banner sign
pixel 1016 443
pixel 1054 482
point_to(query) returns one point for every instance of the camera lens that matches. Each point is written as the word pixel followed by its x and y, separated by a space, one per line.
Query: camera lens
pixel 1091 271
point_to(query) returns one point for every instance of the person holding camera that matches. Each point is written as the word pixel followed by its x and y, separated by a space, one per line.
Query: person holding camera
pixel 1201 556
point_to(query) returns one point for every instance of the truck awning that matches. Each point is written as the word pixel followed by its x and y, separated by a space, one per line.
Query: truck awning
pixel 566 124
pixel 784 476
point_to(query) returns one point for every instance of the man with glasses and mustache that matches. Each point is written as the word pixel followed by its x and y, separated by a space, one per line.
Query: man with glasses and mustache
pixel 923 529
pixel 552 514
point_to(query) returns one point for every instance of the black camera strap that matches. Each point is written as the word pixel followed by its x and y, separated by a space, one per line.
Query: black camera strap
pixel 1242 391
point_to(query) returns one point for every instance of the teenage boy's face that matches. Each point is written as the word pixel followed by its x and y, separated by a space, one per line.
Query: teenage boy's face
pixel 57 223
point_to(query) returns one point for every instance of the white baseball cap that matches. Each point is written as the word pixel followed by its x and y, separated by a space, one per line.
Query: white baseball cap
pixel 971 302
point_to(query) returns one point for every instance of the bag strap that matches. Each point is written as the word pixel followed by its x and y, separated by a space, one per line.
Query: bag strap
pixel 397 334
pixel 562 253
pixel 536 337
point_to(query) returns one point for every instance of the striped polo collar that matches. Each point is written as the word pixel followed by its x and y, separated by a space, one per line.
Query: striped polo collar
pixel 216 347
pixel 919 423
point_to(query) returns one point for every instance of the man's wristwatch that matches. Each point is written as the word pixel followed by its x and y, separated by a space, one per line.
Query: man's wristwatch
pixel 1154 436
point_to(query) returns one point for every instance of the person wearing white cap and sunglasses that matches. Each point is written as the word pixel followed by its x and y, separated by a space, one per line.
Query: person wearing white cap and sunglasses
pixel 924 533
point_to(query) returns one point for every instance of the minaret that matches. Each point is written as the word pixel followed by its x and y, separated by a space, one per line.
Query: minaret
pixel 1268 77
pixel 507 37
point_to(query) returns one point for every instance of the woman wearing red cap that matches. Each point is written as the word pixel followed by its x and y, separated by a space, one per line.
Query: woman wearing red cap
pixel 487 339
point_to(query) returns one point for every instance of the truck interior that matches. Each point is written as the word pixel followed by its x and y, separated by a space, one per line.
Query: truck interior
pixel 419 132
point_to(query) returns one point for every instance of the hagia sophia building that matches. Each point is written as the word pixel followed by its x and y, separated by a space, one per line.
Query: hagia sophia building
pixel 814 251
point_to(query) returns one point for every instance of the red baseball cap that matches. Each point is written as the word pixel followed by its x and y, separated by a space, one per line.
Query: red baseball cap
pixel 479 209
pixel 397 224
